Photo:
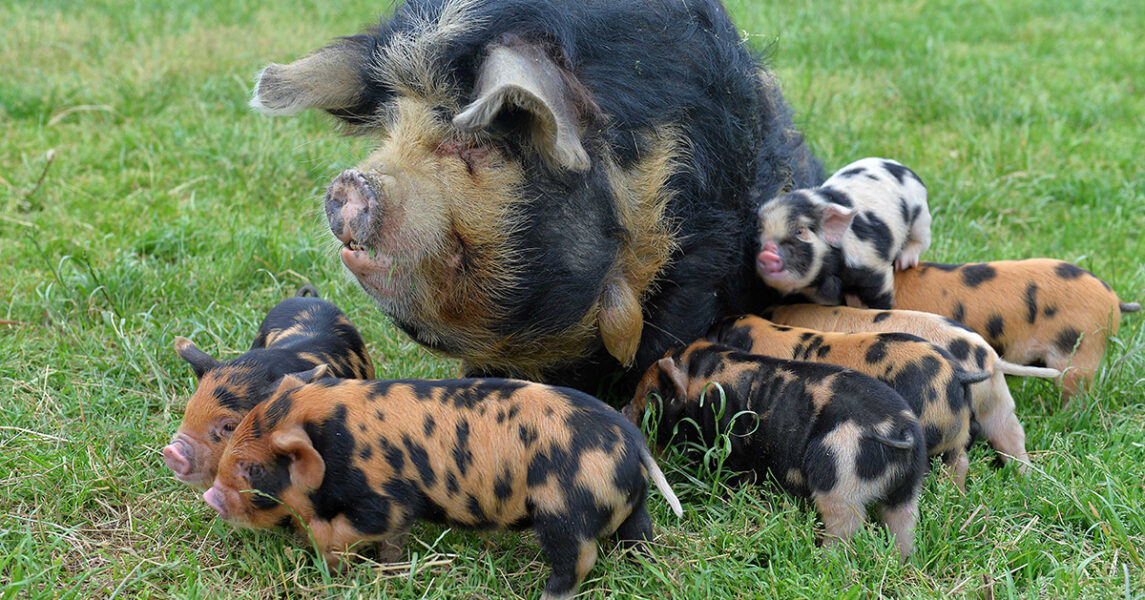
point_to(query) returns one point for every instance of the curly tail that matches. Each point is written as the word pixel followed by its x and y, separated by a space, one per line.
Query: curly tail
pixel 1010 368
pixel 968 378
pixel 657 477
pixel 307 290
pixel 1130 307
pixel 907 443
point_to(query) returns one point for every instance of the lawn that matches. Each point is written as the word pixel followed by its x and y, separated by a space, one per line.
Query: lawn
pixel 140 199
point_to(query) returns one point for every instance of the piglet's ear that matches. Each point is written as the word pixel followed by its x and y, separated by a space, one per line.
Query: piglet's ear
pixel 524 77
pixel 330 79
pixel 200 361
pixel 310 375
pixel 306 466
pixel 292 381
pixel 835 221
pixel 669 365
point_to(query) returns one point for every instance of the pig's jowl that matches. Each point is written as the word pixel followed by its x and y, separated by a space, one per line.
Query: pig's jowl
pixel 560 189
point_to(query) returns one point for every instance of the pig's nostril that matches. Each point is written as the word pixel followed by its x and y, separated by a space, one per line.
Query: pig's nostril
pixel 351 206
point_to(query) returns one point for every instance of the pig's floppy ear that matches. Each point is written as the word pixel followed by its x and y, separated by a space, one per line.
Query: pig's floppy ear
pixel 201 362
pixel 835 221
pixel 330 79
pixel 306 466
pixel 523 76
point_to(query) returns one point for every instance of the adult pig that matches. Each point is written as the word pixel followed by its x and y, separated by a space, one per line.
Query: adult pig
pixel 560 189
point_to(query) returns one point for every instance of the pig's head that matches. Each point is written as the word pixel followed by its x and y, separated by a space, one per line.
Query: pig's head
pixel 225 393
pixel 796 232
pixel 492 222
pixel 268 468
pixel 663 388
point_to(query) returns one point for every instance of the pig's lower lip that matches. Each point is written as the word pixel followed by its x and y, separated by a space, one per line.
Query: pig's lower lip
pixel 196 479
pixel 376 271
pixel 777 276
pixel 772 275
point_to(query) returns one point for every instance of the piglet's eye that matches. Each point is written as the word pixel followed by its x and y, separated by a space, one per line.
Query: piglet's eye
pixel 229 427
pixel 803 233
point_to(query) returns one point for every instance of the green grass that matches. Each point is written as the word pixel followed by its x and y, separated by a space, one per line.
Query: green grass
pixel 170 209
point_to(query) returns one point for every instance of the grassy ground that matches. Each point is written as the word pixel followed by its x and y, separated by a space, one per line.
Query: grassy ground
pixel 169 209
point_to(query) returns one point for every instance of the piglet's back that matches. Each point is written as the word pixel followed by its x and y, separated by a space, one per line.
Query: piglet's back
pixel 463 448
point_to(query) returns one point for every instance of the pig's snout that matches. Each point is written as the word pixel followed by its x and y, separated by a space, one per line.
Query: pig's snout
pixel 770 261
pixel 178 455
pixel 351 206
pixel 216 498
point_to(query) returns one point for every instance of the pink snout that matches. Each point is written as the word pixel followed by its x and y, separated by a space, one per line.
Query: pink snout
pixel 178 455
pixel 351 208
pixel 770 262
pixel 215 498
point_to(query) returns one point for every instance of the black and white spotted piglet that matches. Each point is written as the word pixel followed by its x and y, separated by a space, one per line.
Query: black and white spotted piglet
pixel 840 242
pixel 821 431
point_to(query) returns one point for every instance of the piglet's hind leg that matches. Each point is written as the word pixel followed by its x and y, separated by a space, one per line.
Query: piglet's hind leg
pixel 900 521
pixel 636 530
pixel 840 517
pixel 571 561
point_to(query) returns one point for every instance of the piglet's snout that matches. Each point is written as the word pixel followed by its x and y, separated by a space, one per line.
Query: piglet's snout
pixel 216 499
pixel 769 259
pixel 351 208
pixel 178 455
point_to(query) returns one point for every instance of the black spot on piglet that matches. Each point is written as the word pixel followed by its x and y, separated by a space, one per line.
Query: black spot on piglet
pixel 1031 303
pixel 959 312
pixel 995 326
pixel 1068 271
pixel 975 275
pixel 960 349
pixel 420 459
pixel 1067 339
pixel 876 353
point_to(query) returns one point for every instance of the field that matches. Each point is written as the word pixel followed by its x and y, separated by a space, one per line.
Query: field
pixel 140 199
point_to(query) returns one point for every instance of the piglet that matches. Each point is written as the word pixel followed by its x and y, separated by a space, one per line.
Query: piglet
pixel 836 435
pixel 926 376
pixel 841 241
pixel 348 461
pixel 991 404
pixel 1037 311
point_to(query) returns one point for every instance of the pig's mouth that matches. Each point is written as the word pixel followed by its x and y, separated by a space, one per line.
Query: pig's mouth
pixel 776 271
pixel 356 219
pixel 224 501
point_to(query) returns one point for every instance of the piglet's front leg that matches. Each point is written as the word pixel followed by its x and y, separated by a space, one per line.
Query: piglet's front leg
pixel 336 538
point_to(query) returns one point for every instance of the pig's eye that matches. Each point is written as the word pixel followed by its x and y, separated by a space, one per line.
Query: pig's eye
pixel 803 234
pixel 228 426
